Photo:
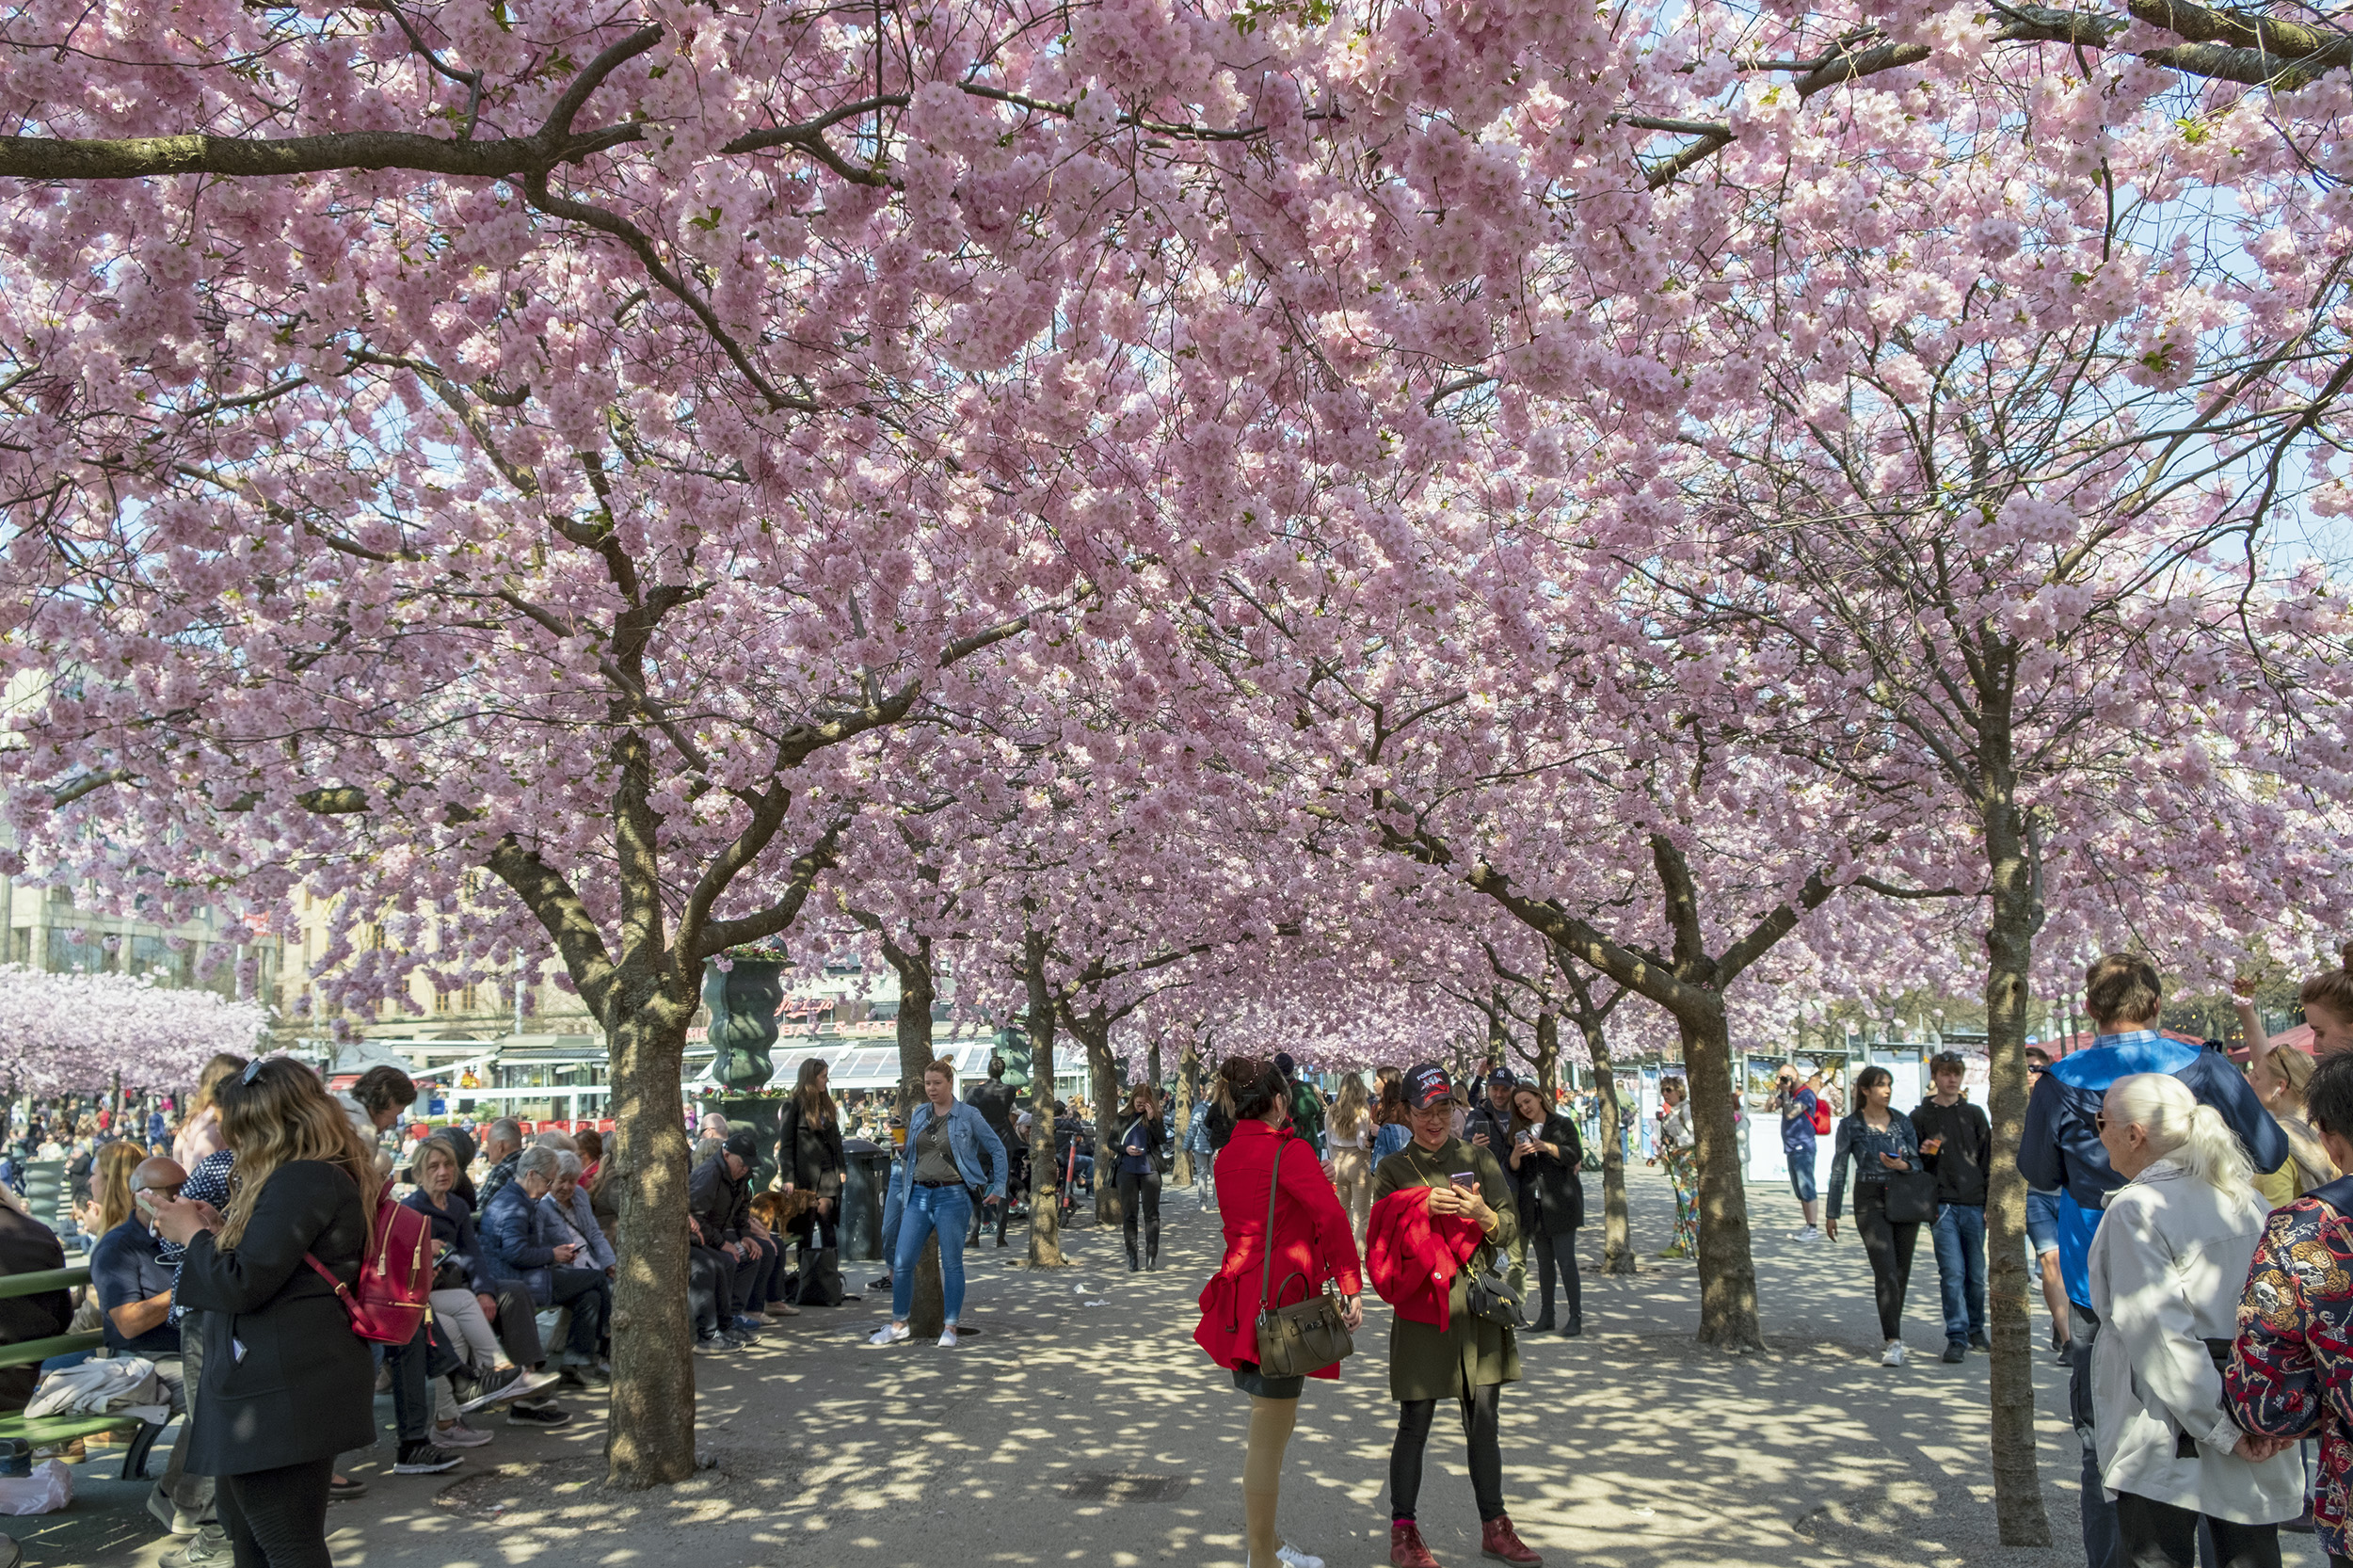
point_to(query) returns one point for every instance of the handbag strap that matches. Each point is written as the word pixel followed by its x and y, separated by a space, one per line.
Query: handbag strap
pixel 1273 1185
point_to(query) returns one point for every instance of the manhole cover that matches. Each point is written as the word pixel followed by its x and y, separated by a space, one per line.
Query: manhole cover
pixel 1104 1486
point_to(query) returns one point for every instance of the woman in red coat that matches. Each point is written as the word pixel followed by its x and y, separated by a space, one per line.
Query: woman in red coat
pixel 1312 1243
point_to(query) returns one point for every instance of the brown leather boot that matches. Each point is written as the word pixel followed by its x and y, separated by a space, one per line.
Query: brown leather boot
pixel 1406 1547
pixel 1498 1539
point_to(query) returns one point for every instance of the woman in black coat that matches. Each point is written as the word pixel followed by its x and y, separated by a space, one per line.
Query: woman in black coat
pixel 286 1385
pixel 809 1152
pixel 1546 1155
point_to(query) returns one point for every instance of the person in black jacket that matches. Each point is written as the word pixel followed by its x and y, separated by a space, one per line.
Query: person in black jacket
pixel 1141 1136
pixel 1546 1156
pixel 719 1203
pixel 28 1247
pixel 809 1159
pixel 1488 1125
pixel 1957 1143
pixel 995 1099
pixel 286 1384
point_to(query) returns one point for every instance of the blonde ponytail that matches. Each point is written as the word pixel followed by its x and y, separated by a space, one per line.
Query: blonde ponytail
pixel 2193 1136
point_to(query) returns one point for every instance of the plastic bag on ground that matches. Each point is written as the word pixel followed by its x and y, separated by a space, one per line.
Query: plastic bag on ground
pixel 48 1489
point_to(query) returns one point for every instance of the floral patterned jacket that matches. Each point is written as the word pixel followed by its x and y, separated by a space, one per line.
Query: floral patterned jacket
pixel 2291 1371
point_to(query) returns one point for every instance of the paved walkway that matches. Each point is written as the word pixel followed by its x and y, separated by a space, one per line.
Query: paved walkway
pixel 1084 1426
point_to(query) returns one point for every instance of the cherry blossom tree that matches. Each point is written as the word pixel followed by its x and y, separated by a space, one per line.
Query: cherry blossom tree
pixel 81 1033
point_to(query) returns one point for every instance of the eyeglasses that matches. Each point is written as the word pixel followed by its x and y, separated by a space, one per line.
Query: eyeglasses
pixel 245 1077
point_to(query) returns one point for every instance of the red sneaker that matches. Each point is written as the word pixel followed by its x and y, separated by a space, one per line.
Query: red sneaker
pixel 1498 1539
pixel 1406 1547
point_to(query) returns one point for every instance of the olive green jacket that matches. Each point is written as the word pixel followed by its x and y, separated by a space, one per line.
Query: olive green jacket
pixel 1426 1363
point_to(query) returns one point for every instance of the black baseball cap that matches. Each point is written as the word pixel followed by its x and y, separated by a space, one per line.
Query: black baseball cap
pixel 1426 1084
pixel 1501 1078
pixel 1284 1064
pixel 743 1147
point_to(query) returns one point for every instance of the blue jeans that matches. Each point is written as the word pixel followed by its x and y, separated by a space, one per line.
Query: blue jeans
pixel 948 1211
pixel 1960 1267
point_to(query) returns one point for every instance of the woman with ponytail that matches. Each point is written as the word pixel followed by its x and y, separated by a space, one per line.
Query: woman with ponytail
pixel 2166 1265
pixel 1310 1243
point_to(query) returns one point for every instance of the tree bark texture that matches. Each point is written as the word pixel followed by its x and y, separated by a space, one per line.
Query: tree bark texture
pixel 1045 1224
pixel 1189 1092
pixel 1617 1243
pixel 649 1439
pixel 1094 1032
pixel 2009 956
pixel 1728 1317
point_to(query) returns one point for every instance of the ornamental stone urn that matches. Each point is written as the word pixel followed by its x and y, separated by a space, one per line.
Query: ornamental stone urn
pixel 745 1001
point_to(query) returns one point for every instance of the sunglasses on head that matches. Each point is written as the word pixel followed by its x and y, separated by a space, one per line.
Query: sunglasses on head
pixel 245 1077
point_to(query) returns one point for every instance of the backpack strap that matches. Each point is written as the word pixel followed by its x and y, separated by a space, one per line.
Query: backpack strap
pixel 327 1274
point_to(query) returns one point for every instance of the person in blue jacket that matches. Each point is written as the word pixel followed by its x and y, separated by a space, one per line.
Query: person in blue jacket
pixel 2060 1150
pixel 518 1243
pixel 951 1154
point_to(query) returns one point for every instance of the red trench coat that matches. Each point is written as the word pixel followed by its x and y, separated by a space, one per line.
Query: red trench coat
pixel 1312 1238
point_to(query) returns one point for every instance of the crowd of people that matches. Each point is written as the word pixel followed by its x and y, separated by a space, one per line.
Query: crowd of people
pixel 2190 1221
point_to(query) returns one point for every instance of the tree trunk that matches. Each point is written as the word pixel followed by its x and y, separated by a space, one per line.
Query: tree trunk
pixel 1188 1091
pixel 928 1313
pixel 1617 1245
pixel 1045 1224
pixel 1104 1083
pixel 2009 956
pixel 649 1439
pixel 1547 1053
pixel 1727 1271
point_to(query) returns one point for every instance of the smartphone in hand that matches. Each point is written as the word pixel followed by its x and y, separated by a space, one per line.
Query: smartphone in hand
pixel 1465 1181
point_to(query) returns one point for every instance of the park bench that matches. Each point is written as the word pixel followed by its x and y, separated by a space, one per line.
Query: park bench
pixel 46 1430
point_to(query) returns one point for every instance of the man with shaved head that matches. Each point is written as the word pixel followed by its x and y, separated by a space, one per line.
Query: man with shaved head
pixel 134 1280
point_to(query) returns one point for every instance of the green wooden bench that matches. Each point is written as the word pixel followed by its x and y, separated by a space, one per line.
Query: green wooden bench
pixel 45 1429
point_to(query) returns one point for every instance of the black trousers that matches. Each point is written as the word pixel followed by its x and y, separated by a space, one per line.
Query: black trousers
pixel 1557 1255
pixel 278 1518
pixel 1888 1244
pixel 710 1289
pixel 517 1324
pixel 2151 1534
pixel 1481 1433
pixel 589 1295
pixel 1140 1191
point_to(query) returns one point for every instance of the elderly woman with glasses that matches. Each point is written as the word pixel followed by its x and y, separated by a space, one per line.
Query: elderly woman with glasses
pixel 520 1242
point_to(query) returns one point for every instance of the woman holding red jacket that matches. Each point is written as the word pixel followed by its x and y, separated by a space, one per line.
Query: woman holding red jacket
pixel 1312 1243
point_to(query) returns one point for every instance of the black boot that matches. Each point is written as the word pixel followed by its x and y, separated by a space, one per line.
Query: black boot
pixel 1544 1323
pixel 1576 1327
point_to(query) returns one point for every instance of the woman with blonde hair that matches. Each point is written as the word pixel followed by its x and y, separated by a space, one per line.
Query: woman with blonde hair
pixel 2166 1265
pixel 110 1184
pixel 2279 1078
pixel 1347 1133
pixel 199 1130
pixel 286 1386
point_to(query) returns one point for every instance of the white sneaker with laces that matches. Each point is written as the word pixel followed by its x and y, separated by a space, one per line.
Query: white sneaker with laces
pixel 459 1436
pixel 1809 1233
pixel 1894 1355
pixel 1292 1557
pixel 890 1334
pixel 947 1337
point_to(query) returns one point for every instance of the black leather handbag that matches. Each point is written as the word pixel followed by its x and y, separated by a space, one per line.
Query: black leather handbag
pixel 1491 1297
pixel 1306 1336
pixel 1911 1197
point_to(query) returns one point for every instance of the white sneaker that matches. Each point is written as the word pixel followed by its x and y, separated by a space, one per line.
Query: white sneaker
pixel 947 1337
pixel 890 1334
pixel 1894 1355
pixel 1808 1233
pixel 1292 1557
pixel 459 1436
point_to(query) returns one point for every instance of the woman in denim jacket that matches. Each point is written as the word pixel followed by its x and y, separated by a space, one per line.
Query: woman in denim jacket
pixel 1881 1141
pixel 951 1152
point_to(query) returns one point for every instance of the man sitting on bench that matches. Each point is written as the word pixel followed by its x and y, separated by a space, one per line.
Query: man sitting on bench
pixel 133 1283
